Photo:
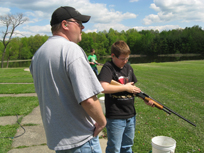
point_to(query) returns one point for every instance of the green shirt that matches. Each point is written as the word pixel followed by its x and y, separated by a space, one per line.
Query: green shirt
pixel 92 58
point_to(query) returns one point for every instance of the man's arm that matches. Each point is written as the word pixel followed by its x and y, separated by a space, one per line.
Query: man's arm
pixel 93 108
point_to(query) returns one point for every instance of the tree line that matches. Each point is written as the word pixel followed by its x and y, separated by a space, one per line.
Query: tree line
pixel 145 42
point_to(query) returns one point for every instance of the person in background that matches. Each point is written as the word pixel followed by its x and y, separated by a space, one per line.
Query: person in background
pixel 119 100
pixel 93 61
pixel 66 87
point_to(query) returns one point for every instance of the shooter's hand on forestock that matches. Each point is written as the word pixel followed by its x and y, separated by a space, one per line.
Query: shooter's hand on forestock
pixel 133 89
pixel 150 103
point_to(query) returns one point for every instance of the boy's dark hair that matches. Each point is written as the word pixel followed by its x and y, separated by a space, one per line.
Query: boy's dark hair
pixel 120 47
pixel 92 50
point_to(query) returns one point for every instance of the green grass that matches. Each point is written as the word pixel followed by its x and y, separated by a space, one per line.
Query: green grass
pixel 7 131
pixel 16 88
pixel 179 86
pixel 15 75
pixel 10 106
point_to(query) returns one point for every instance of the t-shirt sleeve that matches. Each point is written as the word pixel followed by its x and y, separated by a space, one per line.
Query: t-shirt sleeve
pixel 105 74
pixel 84 81
pixel 134 79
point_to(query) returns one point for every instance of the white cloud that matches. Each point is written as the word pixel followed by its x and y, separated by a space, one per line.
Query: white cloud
pixel 4 10
pixel 176 10
pixel 22 33
pixel 38 29
pixel 98 11
pixel 159 28
pixel 93 30
pixel 118 27
pixel 154 7
pixel 39 10
pixel 134 0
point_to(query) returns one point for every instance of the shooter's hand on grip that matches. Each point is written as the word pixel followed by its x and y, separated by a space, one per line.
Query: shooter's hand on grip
pixel 131 88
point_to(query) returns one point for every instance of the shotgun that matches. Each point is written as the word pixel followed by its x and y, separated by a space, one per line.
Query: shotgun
pixel 157 104
pixel 98 63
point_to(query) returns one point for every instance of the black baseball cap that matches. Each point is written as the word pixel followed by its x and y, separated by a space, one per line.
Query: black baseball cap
pixel 66 12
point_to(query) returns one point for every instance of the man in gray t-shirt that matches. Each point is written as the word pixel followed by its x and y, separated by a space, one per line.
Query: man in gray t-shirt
pixel 67 86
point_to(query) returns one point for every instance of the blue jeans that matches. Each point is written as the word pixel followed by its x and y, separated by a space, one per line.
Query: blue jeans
pixel 95 70
pixel 92 146
pixel 121 133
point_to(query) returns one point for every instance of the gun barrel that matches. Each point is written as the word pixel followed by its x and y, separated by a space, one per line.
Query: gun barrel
pixel 174 112
pixel 179 116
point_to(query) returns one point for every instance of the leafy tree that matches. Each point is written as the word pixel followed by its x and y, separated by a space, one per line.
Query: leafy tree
pixel 24 49
pixel 86 43
pixel 134 41
pixel 35 42
pixel 1 48
pixel 11 22
pixel 12 50
pixel 102 44
pixel 112 37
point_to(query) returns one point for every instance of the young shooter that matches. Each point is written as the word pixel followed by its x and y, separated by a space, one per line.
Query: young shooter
pixel 119 100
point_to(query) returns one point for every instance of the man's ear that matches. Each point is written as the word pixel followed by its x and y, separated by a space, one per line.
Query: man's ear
pixel 64 24
pixel 112 55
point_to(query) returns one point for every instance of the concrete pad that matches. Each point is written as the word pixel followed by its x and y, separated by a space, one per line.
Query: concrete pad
pixel 34 135
pixel 8 120
pixel 33 118
pixel 27 69
pixel 19 95
pixel 103 143
pixel 35 149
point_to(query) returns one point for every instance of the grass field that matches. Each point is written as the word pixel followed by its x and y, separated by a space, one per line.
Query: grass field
pixel 178 85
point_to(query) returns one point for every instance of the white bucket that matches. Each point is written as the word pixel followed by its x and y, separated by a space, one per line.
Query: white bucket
pixel 163 144
pixel 102 100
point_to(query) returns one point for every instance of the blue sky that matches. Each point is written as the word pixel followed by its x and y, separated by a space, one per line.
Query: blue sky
pixel 105 14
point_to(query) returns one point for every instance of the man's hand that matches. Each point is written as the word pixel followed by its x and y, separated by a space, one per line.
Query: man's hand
pixel 93 108
pixel 92 63
pixel 98 129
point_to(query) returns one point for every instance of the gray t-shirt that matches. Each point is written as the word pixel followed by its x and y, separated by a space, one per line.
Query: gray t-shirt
pixel 63 79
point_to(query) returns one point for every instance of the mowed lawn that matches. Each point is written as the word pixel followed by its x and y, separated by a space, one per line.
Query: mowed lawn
pixel 177 85
pixel 180 87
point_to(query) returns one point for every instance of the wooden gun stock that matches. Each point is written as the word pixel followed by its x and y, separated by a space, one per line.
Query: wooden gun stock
pixel 113 82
